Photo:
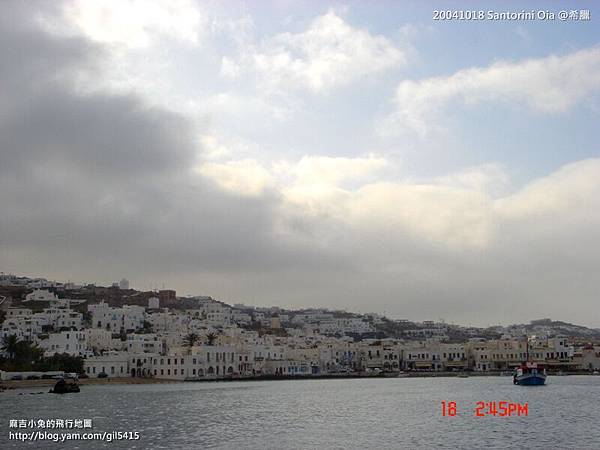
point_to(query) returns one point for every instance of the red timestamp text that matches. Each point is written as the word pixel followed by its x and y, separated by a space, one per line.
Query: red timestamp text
pixel 489 408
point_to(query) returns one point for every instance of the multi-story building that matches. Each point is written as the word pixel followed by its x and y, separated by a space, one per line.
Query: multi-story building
pixel 60 317
pixel 113 364
pixel 25 328
pixel 588 358
pixel 144 343
pixel 128 318
pixel 73 343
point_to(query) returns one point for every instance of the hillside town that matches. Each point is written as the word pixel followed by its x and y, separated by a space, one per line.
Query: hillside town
pixel 117 331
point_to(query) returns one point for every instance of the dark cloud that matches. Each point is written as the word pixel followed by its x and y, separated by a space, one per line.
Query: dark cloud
pixel 46 123
pixel 97 186
pixel 104 178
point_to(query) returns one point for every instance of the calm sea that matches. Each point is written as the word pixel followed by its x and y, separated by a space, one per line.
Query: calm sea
pixel 327 414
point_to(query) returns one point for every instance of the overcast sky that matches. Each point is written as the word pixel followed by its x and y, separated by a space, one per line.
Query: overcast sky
pixel 354 155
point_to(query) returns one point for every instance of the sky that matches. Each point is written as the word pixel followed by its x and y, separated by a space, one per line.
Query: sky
pixel 346 155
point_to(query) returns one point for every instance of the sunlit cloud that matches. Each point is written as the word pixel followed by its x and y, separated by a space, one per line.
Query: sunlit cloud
pixel 550 85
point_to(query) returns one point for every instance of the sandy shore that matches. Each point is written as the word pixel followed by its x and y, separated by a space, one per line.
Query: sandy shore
pixel 24 384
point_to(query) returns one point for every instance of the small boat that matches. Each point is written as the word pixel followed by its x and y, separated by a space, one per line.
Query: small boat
pixel 529 373
pixel 64 387
pixel 463 375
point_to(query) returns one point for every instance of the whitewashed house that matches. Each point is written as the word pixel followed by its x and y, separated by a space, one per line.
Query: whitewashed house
pixel 73 343
pixel 113 364
pixel 39 295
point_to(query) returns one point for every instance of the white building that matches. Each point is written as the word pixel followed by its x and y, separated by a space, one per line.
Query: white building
pixel 205 362
pixel 126 318
pixel 144 343
pixel 212 313
pixel 153 303
pixel 589 358
pixel 12 313
pixel 60 317
pixel 73 343
pixel 240 317
pixel 166 321
pixel 99 340
pixel 41 295
pixel 113 364
pixel 25 328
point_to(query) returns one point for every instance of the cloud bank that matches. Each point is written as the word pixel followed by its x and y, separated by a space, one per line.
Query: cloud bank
pixel 99 185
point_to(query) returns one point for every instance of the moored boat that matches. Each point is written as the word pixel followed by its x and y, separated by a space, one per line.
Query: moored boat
pixel 530 374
